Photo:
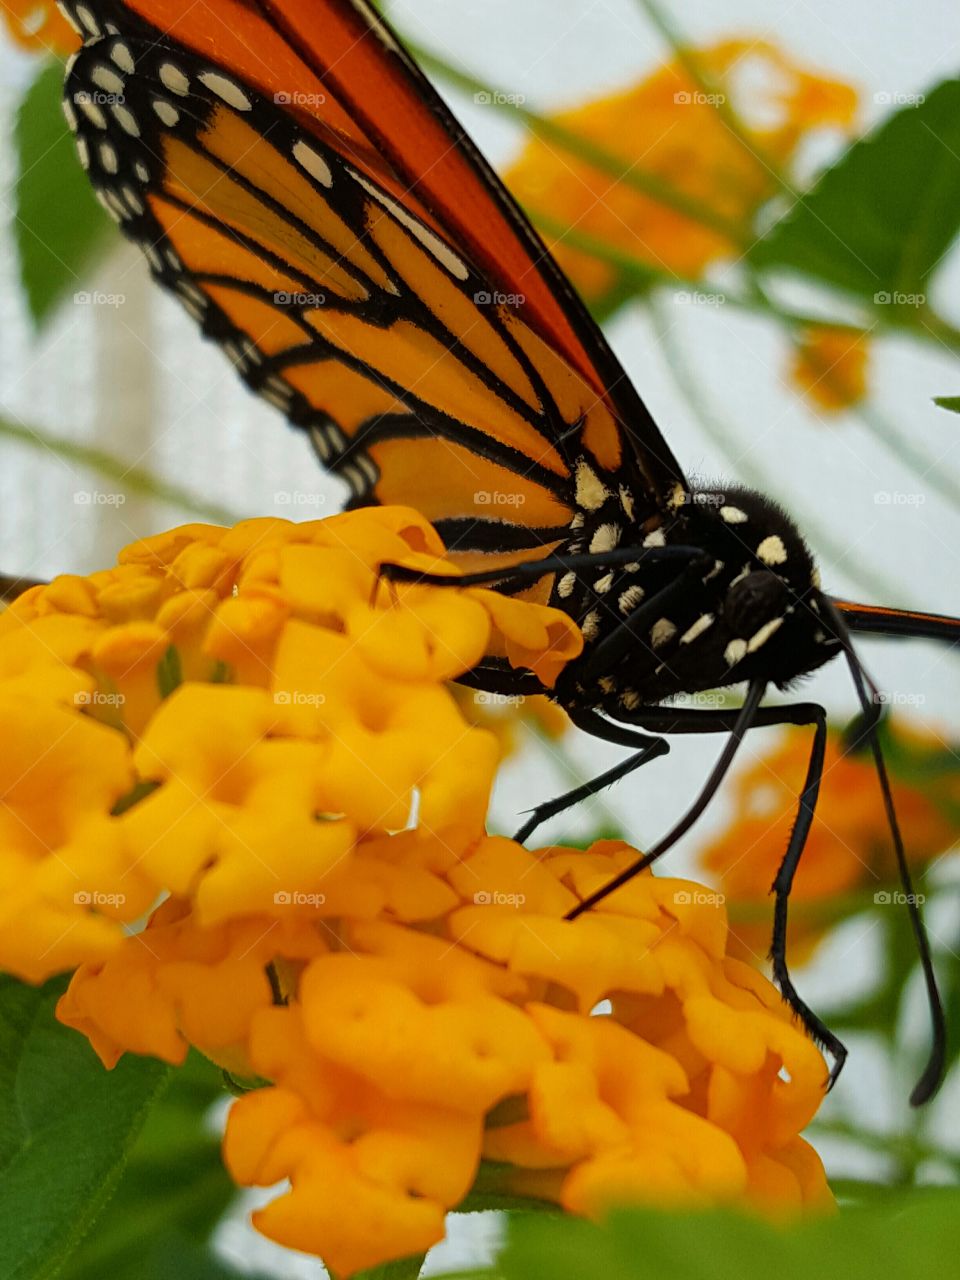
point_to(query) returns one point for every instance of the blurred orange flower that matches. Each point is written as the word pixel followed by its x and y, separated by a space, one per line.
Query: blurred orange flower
pixel 668 128
pixel 39 26
pixel 830 366
pixel 849 847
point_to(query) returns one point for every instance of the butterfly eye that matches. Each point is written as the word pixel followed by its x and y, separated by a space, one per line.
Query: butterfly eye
pixel 753 601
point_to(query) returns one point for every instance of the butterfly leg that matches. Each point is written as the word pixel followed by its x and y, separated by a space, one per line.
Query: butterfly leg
pixel 690 720
pixel 650 749
pixel 533 570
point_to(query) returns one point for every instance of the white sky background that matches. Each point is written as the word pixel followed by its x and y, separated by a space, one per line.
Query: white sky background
pixel 136 380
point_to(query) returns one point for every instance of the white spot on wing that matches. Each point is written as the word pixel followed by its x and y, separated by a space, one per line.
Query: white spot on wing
pixel 106 79
pixel 126 120
pixel 655 539
pixel 314 163
pixel 172 78
pixel 123 58
pixel 167 113
pixel 92 112
pixel 88 20
pixel 734 651
pixel 438 248
pixel 604 584
pixel 108 157
pixel 227 90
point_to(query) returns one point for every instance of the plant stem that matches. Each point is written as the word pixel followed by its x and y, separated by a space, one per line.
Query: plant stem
pixel 133 479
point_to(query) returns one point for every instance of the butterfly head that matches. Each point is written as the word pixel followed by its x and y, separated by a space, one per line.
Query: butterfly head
pixel 762 596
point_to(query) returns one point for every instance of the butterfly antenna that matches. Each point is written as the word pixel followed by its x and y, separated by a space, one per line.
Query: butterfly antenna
pixel 871 706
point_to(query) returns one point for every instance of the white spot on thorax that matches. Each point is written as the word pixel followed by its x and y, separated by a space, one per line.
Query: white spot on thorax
pixel 701 625
pixel 605 538
pixel 630 598
pixel 591 625
pixel 662 632
pixel 655 539
pixel 733 515
pixel 630 699
pixel 566 585
pixel 734 651
pixel 626 501
pixel 772 551
pixel 763 635
pixel 604 584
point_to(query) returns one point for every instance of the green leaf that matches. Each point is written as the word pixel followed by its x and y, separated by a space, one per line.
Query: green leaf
pixel 59 227
pixel 169 672
pixel 880 220
pixel 173 1192
pixel 400 1269
pixel 948 402
pixel 907 1237
pixel 66 1128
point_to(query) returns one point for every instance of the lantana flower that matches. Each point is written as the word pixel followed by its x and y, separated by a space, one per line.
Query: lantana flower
pixel 667 127
pixel 849 849
pixel 246 737
pixel 39 26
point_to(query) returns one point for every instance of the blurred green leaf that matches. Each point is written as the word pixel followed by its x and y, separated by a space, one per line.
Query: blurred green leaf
pixel 66 1127
pixel 173 1192
pixel 948 402
pixel 879 221
pixel 906 1238
pixel 59 227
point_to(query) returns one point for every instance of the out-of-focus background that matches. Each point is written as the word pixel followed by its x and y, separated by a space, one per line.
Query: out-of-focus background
pixel 119 368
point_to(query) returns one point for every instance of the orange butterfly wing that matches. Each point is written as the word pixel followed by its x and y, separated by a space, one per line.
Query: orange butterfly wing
pixel 293 177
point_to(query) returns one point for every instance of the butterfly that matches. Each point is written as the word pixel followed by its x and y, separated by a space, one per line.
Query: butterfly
pixel 294 179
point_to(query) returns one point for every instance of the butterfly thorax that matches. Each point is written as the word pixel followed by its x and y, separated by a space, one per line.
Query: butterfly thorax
pixel 747 606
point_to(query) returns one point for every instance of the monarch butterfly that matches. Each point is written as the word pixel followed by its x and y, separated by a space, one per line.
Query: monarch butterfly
pixel 297 183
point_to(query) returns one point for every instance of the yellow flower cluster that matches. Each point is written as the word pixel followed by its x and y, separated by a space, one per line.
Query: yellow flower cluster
pixel 248 735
